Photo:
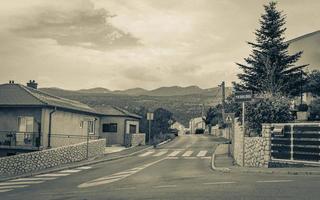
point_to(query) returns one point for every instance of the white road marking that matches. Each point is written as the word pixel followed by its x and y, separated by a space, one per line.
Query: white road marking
pixel 187 154
pixel 84 167
pixel 127 188
pixel 160 153
pixel 116 177
pixel 173 154
pixel 274 181
pixel 146 153
pixel 219 183
pixel 5 190
pixel 70 171
pixel 52 175
pixel 13 186
pixel 206 157
pixel 190 158
pixel 172 158
pixel 165 186
pixel 202 153
pixel 20 183
pixel 33 179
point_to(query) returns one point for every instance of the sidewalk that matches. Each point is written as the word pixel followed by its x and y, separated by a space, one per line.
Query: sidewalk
pixel 114 154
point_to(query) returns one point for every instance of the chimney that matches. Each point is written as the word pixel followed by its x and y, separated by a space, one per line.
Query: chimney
pixel 32 84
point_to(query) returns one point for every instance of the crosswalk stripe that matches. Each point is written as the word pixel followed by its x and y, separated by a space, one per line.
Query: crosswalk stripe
pixel 202 153
pixel 146 153
pixel 160 153
pixel 33 179
pixel 52 175
pixel 5 190
pixel 173 154
pixel 20 183
pixel 12 186
pixel 70 171
pixel 187 154
pixel 84 167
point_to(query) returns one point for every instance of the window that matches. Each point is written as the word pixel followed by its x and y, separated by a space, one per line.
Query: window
pixel 91 127
pixel 81 124
pixel 110 128
pixel 132 129
pixel 25 124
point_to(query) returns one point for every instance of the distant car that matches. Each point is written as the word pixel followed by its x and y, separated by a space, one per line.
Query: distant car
pixel 174 131
pixel 199 131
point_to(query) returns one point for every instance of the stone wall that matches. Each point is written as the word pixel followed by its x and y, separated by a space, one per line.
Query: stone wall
pixel 138 139
pixel 257 149
pixel 35 161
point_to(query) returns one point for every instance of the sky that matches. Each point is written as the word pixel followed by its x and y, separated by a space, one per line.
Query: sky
pixel 121 44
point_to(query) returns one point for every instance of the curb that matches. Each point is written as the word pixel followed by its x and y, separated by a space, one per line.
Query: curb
pixel 279 172
pixel 213 159
pixel 76 165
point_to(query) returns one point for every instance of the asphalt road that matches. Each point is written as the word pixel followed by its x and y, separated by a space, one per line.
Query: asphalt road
pixel 177 170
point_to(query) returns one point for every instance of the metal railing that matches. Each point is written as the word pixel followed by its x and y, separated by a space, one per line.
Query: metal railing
pixel 297 142
pixel 20 139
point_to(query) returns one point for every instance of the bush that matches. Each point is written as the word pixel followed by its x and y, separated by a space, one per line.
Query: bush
pixel 268 110
pixel 315 110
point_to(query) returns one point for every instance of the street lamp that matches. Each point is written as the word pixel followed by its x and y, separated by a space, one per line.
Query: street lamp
pixel 149 118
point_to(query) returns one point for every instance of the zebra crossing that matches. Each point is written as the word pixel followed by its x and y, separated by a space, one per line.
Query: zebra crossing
pixel 10 185
pixel 187 154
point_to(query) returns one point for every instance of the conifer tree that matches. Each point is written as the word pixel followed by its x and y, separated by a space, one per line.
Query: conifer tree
pixel 270 69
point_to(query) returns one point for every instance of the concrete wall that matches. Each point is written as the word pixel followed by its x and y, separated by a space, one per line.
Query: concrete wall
pixel 123 124
pixel 65 127
pixel 138 139
pixel 35 161
pixel 237 144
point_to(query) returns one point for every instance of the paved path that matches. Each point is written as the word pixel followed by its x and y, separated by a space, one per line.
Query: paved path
pixel 177 170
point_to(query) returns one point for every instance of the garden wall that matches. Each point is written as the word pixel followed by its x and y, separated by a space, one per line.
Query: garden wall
pixel 35 161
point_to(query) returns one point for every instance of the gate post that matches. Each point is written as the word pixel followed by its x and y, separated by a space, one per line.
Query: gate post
pixel 266 135
pixel 291 142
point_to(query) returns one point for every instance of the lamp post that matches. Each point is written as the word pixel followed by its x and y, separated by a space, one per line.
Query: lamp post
pixel 149 118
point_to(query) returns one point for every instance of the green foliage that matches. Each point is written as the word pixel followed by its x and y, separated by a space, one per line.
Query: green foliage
pixel 269 110
pixel 269 68
pixel 313 83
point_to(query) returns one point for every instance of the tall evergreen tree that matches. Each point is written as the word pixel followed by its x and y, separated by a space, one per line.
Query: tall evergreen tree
pixel 270 69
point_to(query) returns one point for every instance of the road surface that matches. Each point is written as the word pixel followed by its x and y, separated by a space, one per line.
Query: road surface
pixel 177 170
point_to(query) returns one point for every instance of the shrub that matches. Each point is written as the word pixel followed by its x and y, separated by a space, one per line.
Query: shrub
pixel 268 110
pixel 315 110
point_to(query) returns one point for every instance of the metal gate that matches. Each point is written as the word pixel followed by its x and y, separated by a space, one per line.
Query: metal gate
pixel 297 142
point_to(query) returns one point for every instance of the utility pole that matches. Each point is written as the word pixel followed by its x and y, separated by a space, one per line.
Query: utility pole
pixel 223 90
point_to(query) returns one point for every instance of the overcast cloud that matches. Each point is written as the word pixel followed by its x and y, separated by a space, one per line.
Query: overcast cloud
pixel 120 44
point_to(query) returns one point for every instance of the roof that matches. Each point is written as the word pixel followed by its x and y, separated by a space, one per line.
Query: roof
pixel 20 95
pixel 115 111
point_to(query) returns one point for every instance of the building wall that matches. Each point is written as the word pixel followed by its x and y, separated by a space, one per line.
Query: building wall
pixel 196 123
pixel 123 124
pixel 35 161
pixel 65 127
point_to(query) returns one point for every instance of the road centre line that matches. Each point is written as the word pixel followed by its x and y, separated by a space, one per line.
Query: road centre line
pixel 52 175
pixel 13 186
pixel 274 181
pixel 219 183
pixel 70 171
pixel 20 183
pixel 5 190
pixel 165 186
pixel 34 179
pixel 84 167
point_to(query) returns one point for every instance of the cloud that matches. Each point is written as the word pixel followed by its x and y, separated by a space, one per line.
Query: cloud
pixel 77 24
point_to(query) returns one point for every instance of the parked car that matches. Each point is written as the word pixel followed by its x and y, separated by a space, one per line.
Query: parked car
pixel 199 131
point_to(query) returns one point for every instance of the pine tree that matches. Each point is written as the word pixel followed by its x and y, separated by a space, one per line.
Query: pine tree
pixel 270 69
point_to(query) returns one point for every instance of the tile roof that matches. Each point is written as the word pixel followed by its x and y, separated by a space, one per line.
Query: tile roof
pixel 115 111
pixel 20 95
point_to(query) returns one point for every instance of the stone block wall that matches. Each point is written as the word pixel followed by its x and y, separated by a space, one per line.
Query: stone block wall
pixel 138 139
pixel 35 161
pixel 256 150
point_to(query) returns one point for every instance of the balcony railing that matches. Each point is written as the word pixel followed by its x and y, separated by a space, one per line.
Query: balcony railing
pixel 15 139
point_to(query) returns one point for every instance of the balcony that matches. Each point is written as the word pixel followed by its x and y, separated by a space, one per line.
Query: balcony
pixel 20 140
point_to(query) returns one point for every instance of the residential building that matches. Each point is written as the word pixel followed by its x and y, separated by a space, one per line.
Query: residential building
pixel 196 123
pixel 32 120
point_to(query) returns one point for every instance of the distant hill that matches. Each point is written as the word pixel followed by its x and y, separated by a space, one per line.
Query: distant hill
pixel 95 90
pixel 309 44
pixel 184 102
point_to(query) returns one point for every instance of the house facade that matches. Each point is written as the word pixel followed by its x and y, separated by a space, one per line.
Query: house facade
pixel 196 123
pixel 32 120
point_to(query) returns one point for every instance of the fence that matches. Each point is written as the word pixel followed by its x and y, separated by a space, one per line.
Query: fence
pixel 20 139
pixel 298 142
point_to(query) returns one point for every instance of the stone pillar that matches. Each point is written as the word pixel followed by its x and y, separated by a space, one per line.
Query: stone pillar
pixel 266 135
